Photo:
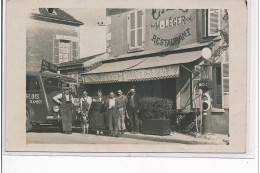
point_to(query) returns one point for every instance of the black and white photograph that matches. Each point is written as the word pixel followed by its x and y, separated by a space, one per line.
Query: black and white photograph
pixel 127 76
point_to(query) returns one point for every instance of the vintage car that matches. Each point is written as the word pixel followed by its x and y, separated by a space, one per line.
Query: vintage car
pixel 41 109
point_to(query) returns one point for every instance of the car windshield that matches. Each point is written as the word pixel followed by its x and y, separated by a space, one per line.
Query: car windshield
pixel 55 84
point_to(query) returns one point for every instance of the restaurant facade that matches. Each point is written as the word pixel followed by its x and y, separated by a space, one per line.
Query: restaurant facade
pixel 159 52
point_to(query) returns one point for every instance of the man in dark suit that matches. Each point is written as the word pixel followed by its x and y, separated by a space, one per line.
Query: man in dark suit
pixel 133 110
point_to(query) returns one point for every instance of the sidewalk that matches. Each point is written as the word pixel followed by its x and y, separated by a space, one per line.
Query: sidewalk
pixel 212 139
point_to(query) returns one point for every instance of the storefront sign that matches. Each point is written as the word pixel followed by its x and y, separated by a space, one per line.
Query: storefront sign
pixel 171 22
pixel 156 13
pixel 172 41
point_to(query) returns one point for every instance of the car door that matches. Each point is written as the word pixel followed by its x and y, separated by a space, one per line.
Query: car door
pixel 35 99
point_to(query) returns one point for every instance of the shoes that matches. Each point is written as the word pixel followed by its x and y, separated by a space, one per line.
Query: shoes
pixel 69 132
pixel 135 132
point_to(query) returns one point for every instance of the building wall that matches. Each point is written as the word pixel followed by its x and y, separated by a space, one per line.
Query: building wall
pixel 155 37
pixel 39 41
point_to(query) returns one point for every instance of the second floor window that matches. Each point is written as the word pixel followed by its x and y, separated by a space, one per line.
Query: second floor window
pixel 211 22
pixel 135 29
pixel 64 50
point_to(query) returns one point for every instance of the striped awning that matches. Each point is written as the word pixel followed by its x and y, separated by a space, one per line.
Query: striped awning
pixel 149 68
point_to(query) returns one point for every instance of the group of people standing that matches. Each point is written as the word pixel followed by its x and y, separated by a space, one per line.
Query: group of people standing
pixel 104 113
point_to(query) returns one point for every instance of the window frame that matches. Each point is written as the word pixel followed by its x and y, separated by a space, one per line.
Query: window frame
pixel 38 80
pixel 136 47
pixel 71 49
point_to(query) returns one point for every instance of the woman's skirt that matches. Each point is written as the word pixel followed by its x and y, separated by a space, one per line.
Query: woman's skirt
pixel 97 121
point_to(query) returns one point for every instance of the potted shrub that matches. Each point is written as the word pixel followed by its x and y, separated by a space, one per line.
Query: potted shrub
pixel 155 114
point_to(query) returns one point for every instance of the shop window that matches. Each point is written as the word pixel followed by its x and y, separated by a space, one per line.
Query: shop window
pixel 32 84
pixel 136 30
pixel 211 22
pixel 64 50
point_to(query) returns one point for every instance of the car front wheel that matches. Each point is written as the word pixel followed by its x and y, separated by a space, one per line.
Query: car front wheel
pixel 29 125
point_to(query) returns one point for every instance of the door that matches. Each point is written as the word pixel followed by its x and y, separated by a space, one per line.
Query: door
pixel 35 99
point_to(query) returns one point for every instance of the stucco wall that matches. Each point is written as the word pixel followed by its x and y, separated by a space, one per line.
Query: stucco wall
pixel 185 29
pixel 39 41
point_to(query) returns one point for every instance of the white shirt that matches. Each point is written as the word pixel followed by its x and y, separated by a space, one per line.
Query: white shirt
pixel 88 99
pixel 112 102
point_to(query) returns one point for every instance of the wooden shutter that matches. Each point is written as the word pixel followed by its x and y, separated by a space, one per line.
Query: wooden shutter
pixel 56 51
pixel 135 29
pixel 132 29
pixel 225 85
pixel 139 28
pixel 213 22
pixel 74 48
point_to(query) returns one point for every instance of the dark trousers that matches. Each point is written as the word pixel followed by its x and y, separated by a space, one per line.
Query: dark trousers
pixel 66 117
pixel 134 120
pixel 112 121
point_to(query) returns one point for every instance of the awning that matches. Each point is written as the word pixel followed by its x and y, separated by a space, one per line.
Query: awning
pixel 149 68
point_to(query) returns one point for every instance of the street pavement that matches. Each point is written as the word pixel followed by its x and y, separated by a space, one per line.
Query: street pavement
pixel 50 135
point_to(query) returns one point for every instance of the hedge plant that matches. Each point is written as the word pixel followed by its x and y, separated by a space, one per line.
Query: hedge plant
pixel 156 108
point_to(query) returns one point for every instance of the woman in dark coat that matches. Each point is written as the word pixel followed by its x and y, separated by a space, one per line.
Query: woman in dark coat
pixel 97 113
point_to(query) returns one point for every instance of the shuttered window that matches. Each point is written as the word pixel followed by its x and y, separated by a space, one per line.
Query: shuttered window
pixel 64 50
pixel 136 29
pixel 74 50
pixel 56 51
pixel 225 89
pixel 213 22
pixel 210 22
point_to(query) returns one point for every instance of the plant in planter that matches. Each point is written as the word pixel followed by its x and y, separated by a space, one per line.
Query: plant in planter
pixel 155 114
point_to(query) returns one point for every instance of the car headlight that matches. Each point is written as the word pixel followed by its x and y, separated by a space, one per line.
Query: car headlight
pixel 56 108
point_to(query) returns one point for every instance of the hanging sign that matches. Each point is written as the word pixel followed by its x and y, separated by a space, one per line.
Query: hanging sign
pixel 47 66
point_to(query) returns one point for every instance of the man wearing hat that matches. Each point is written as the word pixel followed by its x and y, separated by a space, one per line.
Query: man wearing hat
pixel 66 102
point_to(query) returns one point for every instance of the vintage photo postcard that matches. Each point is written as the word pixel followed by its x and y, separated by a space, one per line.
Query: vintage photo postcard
pixel 112 77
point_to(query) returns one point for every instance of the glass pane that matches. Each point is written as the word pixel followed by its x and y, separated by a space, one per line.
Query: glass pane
pixel 139 19
pixel 139 37
pixel 132 38
pixel 32 83
pixel 132 20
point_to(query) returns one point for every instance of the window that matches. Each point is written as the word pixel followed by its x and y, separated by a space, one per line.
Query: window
pixel 64 50
pixel 136 29
pixel 211 22
pixel 225 86
pixel 52 82
pixel 32 84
